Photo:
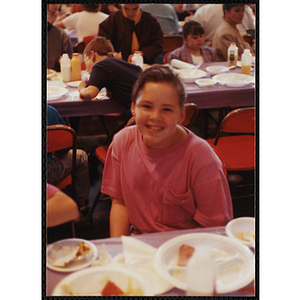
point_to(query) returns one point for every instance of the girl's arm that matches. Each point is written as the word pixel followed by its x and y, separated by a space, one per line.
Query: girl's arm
pixel 61 209
pixel 119 222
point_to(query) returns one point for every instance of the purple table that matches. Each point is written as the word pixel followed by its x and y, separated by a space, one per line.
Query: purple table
pixel 114 247
pixel 213 97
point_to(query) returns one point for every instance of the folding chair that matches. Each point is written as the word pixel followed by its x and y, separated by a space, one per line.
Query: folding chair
pixel 60 137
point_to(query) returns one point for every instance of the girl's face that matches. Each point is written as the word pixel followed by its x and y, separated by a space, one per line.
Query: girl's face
pixel 157 114
pixel 195 42
pixel 236 14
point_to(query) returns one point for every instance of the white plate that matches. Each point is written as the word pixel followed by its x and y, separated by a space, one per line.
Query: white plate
pixel 238 225
pixel 74 84
pixel 50 73
pixel 88 282
pixel 214 70
pixel 185 75
pixel 234 80
pixel 159 286
pixel 73 265
pixel 206 82
pixel 235 262
pixel 55 92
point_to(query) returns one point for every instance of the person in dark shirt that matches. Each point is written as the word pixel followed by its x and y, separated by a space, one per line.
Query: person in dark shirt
pixel 116 75
pixel 131 29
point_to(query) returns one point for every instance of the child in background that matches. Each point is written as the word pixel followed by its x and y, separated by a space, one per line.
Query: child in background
pixel 159 174
pixel 116 75
pixel 193 51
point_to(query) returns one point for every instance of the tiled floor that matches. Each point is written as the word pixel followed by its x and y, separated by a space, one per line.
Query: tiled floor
pixel 91 135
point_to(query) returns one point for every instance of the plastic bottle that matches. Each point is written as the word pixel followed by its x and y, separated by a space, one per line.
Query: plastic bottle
pixel 200 273
pixel 246 62
pixel 232 54
pixel 65 67
pixel 138 59
pixel 76 67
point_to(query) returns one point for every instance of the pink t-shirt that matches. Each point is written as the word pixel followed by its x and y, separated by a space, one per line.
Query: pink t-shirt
pixel 179 187
pixel 51 190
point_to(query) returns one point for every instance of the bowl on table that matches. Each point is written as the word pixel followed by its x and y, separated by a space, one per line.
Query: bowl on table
pixel 236 227
pixel 206 82
pixel 189 76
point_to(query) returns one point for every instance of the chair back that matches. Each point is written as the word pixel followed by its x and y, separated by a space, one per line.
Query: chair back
pixel 79 48
pixel 172 42
pixel 60 137
pixel 88 38
pixel 239 121
pixel 166 57
pixel 191 111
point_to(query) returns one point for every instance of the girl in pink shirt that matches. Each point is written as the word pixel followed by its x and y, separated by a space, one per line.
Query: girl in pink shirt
pixel 160 175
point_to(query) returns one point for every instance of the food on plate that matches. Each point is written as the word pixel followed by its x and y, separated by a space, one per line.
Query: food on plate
pixel 66 254
pixel 185 253
pixel 240 236
pixel 111 289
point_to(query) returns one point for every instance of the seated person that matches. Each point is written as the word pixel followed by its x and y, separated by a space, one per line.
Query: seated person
pixel 227 32
pixel 182 14
pixel 59 165
pixel 85 22
pixel 60 207
pixel 193 50
pixel 159 174
pixel 116 75
pixel 58 43
pixel 131 29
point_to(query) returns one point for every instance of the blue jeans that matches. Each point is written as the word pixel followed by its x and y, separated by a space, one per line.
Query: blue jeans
pixel 60 167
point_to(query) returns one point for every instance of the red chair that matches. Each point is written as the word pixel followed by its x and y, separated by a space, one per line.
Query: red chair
pixel 172 42
pixel 60 137
pixel 238 146
pixel 166 57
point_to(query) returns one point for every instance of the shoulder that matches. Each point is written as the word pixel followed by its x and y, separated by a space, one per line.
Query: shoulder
pixel 208 49
pixel 124 138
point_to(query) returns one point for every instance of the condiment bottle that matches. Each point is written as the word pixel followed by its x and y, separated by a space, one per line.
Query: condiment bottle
pixel 246 62
pixel 232 55
pixel 138 59
pixel 200 273
pixel 65 67
pixel 76 67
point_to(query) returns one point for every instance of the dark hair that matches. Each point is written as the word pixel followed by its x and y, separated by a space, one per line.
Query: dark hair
pixel 160 73
pixel 229 6
pixel 100 45
pixel 192 27
pixel 90 7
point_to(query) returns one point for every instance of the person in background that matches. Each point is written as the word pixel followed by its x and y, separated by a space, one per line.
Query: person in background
pixel 59 165
pixel 182 13
pixel 60 207
pixel 210 16
pixel 116 75
pixel 131 29
pixel 159 174
pixel 52 12
pixel 165 15
pixel 193 50
pixel 110 8
pixel 85 22
pixel 58 43
pixel 227 32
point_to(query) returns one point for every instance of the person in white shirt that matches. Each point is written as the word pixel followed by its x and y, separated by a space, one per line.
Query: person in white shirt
pixel 86 22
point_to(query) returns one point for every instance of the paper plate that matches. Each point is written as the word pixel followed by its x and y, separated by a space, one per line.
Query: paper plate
pixel 73 265
pixel 90 282
pixel 185 75
pixel 206 82
pixel 235 262
pixel 73 84
pixel 214 70
pixel 55 92
pixel 50 73
pixel 233 80
pixel 158 284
